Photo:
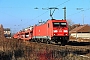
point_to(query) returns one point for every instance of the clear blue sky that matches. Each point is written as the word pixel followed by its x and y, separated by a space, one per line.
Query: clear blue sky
pixel 19 14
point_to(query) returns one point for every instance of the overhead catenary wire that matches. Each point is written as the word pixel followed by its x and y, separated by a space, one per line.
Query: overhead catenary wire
pixel 47 11
pixel 78 12
pixel 63 3
pixel 35 17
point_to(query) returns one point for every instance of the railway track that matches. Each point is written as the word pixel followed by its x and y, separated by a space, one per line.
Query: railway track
pixel 14 43
pixel 58 47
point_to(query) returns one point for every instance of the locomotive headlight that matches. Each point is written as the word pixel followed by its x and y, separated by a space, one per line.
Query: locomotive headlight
pixel 65 34
pixel 65 31
pixel 55 30
pixel 54 34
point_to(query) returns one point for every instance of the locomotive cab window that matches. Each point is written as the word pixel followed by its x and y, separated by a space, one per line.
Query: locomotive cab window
pixel 63 24
pixel 57 24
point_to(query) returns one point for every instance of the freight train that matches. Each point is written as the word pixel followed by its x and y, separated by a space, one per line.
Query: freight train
pixel 50 31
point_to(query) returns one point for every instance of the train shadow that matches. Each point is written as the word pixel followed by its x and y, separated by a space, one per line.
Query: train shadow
pixel 74 43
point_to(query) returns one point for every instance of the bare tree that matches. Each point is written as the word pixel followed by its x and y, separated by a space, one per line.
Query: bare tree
pixel 70 23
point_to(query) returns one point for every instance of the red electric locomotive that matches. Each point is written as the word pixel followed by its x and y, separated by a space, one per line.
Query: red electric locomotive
pixel 51 31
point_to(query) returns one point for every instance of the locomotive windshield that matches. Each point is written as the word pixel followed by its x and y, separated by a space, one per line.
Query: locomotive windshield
pixel 57 24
